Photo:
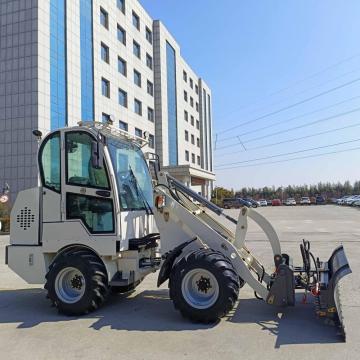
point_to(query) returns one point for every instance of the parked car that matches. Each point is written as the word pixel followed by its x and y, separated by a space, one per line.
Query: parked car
pixel 263 202
pixel 269 202
pixel 350 201
pixel 342 200
pixel 320 200
pixel 276 202
pixel 305 200
pixel 246 202
pixel 290 202
pixel 313 200
pixel 254 203
pixel 357 203
pixel 231 203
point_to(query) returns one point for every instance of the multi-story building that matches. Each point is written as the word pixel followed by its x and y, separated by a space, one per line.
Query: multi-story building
pixel 65 61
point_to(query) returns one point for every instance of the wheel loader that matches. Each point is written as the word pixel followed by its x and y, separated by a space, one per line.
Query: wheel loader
pixel 105 215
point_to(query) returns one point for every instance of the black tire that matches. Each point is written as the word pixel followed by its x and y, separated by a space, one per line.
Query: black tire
pixel 94 276
pixel 227 279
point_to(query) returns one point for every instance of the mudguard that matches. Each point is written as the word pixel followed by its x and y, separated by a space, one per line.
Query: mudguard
pixel 170 258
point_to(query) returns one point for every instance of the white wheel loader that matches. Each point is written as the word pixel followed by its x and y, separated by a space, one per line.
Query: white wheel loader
pixel 100 221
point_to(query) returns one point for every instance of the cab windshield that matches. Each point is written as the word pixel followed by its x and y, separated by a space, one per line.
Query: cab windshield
pixel 132 175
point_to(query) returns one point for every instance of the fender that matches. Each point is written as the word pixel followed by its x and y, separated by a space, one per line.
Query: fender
pixel 170 258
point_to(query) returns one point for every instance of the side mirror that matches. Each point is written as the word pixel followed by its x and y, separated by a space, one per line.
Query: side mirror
pixel 97 154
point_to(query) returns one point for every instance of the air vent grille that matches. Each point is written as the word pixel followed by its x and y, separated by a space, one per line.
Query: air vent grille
pixel 25 218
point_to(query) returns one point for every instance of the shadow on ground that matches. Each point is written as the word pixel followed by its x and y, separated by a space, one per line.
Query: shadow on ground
pixel 292 325
pixel 153 311
pixel 139 311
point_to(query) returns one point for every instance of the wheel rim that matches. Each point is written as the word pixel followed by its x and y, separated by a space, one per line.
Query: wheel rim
pixel 200 288
pixel 70 285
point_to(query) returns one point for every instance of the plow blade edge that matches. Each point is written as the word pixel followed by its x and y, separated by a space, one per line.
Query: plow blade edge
pixel 329 299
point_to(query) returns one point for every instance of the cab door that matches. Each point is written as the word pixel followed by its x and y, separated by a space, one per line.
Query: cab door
pixel 88 196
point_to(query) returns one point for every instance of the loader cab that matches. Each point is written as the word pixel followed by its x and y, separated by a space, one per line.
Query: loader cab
pixel 98 186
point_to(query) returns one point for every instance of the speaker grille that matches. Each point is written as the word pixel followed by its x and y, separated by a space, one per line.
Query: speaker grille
pixel 25 218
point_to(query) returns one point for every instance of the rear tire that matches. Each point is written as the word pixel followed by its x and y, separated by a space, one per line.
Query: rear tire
pixel 204 286
pixel 77 282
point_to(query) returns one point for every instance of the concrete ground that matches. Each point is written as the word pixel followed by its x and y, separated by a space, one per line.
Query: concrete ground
pixel 144 325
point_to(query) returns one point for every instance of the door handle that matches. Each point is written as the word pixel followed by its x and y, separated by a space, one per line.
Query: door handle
pixel 103 193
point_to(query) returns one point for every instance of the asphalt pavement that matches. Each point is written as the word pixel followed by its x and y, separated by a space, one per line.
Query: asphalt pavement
pixel 144 324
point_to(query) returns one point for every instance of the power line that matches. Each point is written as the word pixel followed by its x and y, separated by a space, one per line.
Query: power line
pixel 295 127
pixel 291 106
pixel 291 119
pixel 289 153
pixel 295 139
pixel 297 82
pixel 307 89
pixel 292 159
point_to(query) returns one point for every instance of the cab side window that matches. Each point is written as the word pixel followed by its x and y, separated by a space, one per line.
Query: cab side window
pixel 79 169
pixel 50 163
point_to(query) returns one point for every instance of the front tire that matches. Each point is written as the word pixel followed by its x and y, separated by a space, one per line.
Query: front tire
pixel 204 286
pixel 77 282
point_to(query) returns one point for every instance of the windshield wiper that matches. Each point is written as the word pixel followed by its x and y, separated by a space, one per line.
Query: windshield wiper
pixel 148 208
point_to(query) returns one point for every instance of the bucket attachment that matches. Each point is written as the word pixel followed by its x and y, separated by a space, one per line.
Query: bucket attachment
pixel 328 299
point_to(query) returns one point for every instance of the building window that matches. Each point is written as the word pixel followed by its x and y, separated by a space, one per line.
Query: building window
pixel 186 115
pixel 191 83
pixel 138 107
pixel 104 18
pixel 122 66
pixel 197 142
pixel 192 120
pixel 185 96
pixel 193 139
pixel 122 98
pixel 136 49
pixel 186 135
pixel 193 158
pixel 151 141
pixel 191 101
pixel 198 160
pixel 198 124
pixel 186 155
pixel 105 87
pixel 121 5
pixel 137 78
pixel 138 132
pixel 58 106
pixel 123 125
pixel 185 76
pixel 121 34
pixel 105 117
pixel 136 20
pixel 197 107
pixel 149 61
pixel 197 89
pixel 105 53
pixel 150 88
pixel 171 104
pixel 150 114
pixel 148 33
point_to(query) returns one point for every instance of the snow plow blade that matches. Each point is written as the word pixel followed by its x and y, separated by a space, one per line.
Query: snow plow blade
pixel 328 301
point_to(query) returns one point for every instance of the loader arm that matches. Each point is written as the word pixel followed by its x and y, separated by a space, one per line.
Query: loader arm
pixel 181 219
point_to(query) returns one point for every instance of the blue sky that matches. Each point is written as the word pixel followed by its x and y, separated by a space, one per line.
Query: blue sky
pixel 261 57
